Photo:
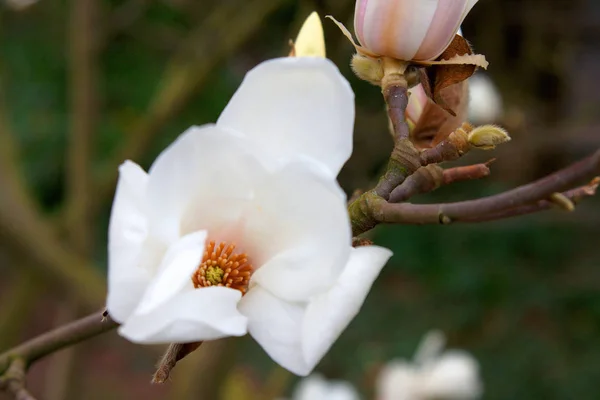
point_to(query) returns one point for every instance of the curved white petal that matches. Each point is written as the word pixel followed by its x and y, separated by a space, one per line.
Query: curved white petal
pixel 397 380
pixel 342 391
pixel 330 313
pixel 298 230
pixel 127 232
pixel 444 25
pixel 276 325
pixel 315 387
pixel 454 376
pixel 175 272
pixel 394 28
pixel 194 315
pixel 201 181
pixel 295 107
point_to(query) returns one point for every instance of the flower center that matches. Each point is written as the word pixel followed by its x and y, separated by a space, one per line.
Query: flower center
pixel 220 266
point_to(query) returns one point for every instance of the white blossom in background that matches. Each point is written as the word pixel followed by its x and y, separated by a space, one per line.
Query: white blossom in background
pixel 433 374
pixel 409 29
pixel 315 387
pixel 19 5
pixel 485 102
pixel 240 227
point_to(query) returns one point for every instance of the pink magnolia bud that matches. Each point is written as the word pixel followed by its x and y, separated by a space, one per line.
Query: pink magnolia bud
pixel 409 29
pixel 417 101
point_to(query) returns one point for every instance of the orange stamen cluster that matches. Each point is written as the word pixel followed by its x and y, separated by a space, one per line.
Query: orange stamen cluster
pixel 221 267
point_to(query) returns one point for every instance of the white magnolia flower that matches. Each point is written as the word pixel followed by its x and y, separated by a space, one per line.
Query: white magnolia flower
pixel 315 387
pixel 20 4
pixel 485 102
pixel 241 227
pixel 433 375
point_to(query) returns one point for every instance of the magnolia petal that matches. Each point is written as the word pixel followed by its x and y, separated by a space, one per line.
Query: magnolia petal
pixel 397 380
pixel 195 315
pixel 200 182
pixel 293 108
pixel 455 375
pixel 127 232
pixel 394 28
pixel 341 391
pixel 328 314
pixel 310 41
pixel 314 387
pixel 445 23
pixel 276 325
pixel 175 272
pixel 298 232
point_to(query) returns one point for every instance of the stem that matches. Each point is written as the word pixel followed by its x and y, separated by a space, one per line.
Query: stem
pixel 61 337
pixel 84 113
pixel 13 381
pixel 574 195
pixel 481 209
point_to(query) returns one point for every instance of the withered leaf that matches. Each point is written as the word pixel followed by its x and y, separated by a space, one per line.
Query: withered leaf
pixel 435 124
pixel 437 77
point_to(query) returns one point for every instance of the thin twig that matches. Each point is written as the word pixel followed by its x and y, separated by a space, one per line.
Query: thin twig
pixel 424 180
pixel 396 99
pixel 22 224
pixel 13 381
pixel 49 342
pixel 466 173
pixel 83 72
pixel 175 352
pixel 474 210
pixel 574 195
pixel 84 113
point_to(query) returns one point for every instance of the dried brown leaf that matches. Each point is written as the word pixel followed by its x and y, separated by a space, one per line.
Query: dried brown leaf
pixel 456 64
pixel 435 124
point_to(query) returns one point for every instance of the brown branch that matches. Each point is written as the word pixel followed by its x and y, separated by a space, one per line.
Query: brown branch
pixel 83 73
pixel 22 224
pixel 429 178
pixel 424 180
pixel 59 338
pixel 574 195
pixel 84 115
pixel 175 352
pixel 396 99
pixel 13 381
pixel 466 173
pixel 451 148
pixel 17 303
pixel 474 210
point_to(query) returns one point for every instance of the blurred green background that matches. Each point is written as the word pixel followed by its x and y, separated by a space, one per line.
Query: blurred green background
pixel 88 83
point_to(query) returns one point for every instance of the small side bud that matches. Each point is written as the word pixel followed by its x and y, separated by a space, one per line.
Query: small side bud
pixel 487 137
pixel 311 40
pixel 367 68
pixel 562 201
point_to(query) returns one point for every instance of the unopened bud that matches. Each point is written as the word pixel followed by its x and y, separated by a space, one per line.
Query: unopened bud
pixel 409 29
pixel 487 137
pixel 367 68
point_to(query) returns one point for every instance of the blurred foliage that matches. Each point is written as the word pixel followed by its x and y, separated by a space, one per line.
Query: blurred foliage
pixel 521 295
